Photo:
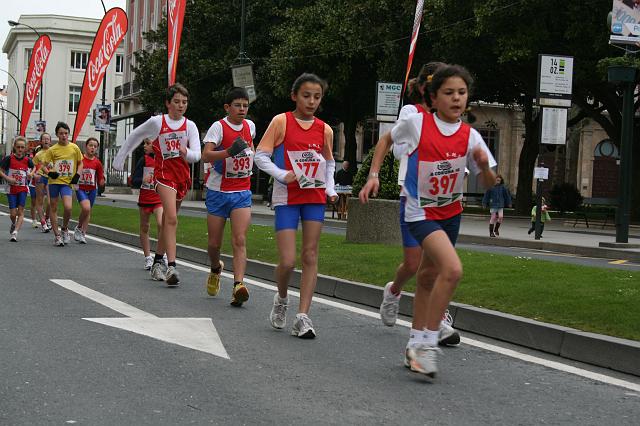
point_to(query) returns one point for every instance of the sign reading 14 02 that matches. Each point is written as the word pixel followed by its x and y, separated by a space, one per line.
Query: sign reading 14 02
pixel 557 66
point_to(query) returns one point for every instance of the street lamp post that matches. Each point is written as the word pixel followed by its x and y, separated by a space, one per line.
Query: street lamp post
pixel 15 24
pixel 18 93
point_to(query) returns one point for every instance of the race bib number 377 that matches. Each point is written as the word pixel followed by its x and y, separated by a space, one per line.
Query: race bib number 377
pixel 309 167
pixel 440 182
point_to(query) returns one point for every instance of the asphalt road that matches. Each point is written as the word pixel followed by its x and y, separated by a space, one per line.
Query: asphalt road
pixel 340 229
pixel 65 359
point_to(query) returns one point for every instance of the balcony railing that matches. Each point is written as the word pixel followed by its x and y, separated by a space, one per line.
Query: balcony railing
pixel 127 89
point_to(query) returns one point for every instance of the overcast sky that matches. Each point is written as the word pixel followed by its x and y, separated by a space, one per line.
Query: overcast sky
pixel 12 9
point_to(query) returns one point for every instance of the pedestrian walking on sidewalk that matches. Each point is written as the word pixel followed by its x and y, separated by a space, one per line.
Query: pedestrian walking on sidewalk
pixel 439 147
pixel 544 217
pixel 417 88
pixel 303 169
pixel 497 198
pixel 229 149
pixel 176 143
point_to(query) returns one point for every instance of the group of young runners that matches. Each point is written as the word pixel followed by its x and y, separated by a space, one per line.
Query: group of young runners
pixel 432 142
pixel 53 173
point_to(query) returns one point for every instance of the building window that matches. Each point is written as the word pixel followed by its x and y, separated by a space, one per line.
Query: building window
pixel 117 108
pixel 27 57
pixel 491 137
pixel 79 60
pixel 36 103
pixel 119 64
pixel 74 98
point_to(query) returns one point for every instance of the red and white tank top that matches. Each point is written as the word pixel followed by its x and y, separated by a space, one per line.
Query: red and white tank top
pixel 169 164
pixel 18 170
pixel 233 174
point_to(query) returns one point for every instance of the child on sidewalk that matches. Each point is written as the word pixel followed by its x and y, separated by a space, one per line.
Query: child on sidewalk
pixel 497 198
pixel 229 149
pixel 148 199
pixel 92 176
pixel 16 168
pixel 544 217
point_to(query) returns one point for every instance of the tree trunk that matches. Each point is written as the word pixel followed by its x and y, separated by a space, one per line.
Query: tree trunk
pixel 527 160
pixel 350 142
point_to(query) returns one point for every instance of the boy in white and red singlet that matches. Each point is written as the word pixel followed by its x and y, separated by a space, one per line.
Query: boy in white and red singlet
pixel 176 144
pixel 229 149
pixel 91 177
pixel 148 199
pixel 439 147
pixel 16 169
pixel 303 170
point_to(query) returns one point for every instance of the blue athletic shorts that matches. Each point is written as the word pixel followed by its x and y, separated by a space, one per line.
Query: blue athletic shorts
pixel 407 238
pixel 287 217
pixel 423 228
pixel 223 203
pixel 32 192
pixel 44 180
pixel 82 195
pixel 60 189
pixel 15 200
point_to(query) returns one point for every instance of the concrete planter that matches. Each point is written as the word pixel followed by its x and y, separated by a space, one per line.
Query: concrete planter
pixel 374 222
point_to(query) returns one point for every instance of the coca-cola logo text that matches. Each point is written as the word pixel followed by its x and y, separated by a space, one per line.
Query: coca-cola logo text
pixel 39 59
pixel 111 37
pixel 173 26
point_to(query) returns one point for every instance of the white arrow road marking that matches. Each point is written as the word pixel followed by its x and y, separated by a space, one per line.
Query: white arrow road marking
pixel 194 333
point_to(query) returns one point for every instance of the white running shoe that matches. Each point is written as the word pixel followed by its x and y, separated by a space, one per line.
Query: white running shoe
pixel 12 228
pixel 148 263
pixel 157 272
pixel 45 228
pixel 14 236
pixel 278 315
pixel 58 241
pixel 172 276
pixel 77 234
pixel 66 236
pixel 303 327
pixel 83 239
pixel 49 223
pixel 390 306
pixel 423 358
pixel 448 336
pixel 34 224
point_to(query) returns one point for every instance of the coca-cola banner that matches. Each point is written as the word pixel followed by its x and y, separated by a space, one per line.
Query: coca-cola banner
pixel 175 16
pixel 38 62
pixel 110 33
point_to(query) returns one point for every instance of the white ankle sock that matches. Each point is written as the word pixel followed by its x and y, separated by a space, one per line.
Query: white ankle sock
pixel 431 337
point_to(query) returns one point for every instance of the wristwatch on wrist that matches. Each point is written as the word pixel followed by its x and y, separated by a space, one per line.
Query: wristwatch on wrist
pixel 373 175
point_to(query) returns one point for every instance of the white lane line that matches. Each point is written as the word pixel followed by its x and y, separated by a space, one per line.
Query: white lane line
pixel 103 299
pixel 471 342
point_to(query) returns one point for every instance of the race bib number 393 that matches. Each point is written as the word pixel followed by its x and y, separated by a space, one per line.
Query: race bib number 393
pixel 309 167
pixel 440 182
pixel 240 166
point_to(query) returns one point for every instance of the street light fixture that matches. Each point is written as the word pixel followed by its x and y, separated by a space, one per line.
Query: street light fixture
pixel 15 24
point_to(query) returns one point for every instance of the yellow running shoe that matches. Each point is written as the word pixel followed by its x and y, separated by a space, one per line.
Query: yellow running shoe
pixel 240 295
pixel 213 282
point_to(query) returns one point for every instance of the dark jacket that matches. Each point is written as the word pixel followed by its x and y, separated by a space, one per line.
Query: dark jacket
pixel 497 197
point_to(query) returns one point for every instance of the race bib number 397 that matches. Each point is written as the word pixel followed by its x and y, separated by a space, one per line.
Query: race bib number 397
pixel 309 167
pixel 440 182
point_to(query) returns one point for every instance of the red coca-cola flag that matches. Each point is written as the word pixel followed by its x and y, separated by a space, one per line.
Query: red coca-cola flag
pixel 110 33
pixel 175 16
pixel 38 62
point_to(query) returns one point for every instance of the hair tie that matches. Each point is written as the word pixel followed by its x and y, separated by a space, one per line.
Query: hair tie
pixel 429 78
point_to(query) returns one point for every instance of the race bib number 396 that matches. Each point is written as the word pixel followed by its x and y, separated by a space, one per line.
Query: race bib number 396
pixel 440 182
pixel 309 167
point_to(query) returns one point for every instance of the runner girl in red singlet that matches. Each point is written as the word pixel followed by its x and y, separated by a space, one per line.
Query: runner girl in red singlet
pixel 303 169
pixel 16 168
pixel 176 144
pixel 91 177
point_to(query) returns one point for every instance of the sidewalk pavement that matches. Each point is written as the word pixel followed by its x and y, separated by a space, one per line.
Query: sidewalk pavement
pixel 559 235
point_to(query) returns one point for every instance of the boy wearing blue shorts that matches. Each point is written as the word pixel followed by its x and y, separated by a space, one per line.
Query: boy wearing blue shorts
pixel 16 169
pixel 229 149
pixel 64 165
